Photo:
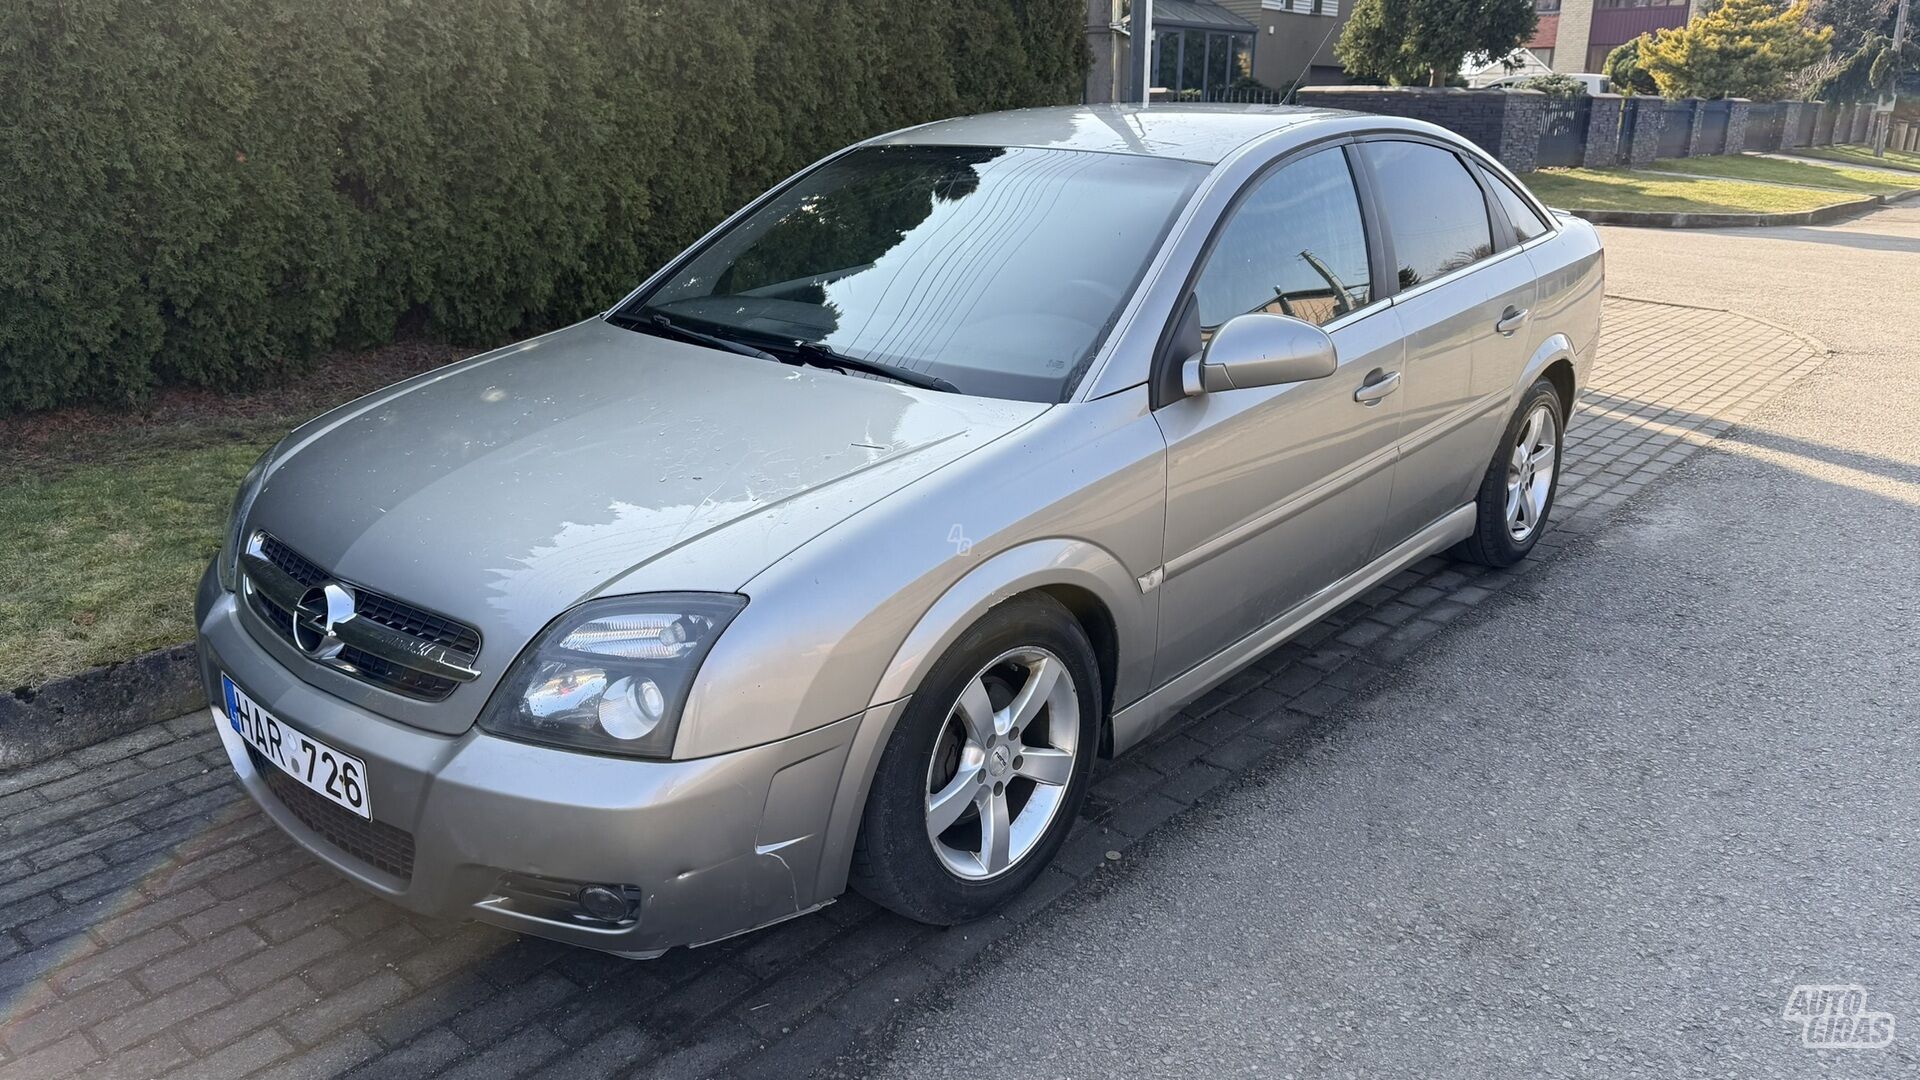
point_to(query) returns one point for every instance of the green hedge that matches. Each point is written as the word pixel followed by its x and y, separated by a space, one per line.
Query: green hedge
pixel 210 191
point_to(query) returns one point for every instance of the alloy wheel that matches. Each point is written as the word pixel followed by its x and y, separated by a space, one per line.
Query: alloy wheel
pixel 1000 764
pixel 1530 472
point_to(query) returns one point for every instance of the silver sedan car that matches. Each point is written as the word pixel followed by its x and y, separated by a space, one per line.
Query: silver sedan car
pixel 836 554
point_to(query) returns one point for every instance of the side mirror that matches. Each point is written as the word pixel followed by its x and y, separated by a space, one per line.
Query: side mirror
pixel 1259 349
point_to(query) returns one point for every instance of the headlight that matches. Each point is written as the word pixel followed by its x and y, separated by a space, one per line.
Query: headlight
pixel 237 520
pixel 611 676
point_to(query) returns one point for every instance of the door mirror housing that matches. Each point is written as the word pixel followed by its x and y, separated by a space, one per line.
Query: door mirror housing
pixel 1259 349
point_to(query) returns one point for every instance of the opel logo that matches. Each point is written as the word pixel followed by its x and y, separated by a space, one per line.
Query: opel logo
pixel 317 619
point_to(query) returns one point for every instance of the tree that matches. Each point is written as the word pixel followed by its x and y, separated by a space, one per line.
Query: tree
pixel 1415 41
pixel 1863 74
pixel 1854 21
pixel 1623 69
pixel 1743 48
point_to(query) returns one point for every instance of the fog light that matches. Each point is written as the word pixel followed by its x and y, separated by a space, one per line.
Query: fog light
pixel 605 904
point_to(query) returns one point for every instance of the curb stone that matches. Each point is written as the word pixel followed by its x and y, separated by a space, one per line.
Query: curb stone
pixel 1691 219
pixel 67 713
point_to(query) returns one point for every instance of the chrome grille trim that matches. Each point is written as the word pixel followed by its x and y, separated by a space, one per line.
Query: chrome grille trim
pixel 386 642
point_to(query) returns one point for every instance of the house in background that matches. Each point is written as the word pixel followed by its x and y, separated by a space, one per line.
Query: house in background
pixel 1293 40
pixel 1583 32
pixel 1202 47
pixel 1199 46
pixel 1519 64
pixel 1548 28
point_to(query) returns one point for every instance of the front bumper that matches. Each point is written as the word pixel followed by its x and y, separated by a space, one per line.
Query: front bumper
pixel 711 847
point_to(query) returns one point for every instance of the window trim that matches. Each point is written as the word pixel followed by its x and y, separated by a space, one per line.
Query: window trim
pixel 1500 232
pixel 1163 383
pixel 1541 212
pixel 1246 194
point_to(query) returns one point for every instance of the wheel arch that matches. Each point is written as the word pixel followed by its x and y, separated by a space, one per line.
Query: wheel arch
pixel 1096 621
pixel 1553 361
pixel 1086 579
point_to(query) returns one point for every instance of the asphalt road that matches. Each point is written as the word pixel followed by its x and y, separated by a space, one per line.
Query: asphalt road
pixel 1601 827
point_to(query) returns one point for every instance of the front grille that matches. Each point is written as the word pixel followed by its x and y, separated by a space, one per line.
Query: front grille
pixel 416 623
pixel 297 566
pixel 379 845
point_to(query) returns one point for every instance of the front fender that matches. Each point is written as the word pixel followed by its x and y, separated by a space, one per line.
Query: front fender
pixel 1033 565
pixel 1037 564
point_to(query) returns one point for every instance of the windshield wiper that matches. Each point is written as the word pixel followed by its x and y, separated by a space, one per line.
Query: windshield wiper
pixel 799 352
pixel 665 327
pixel 818 355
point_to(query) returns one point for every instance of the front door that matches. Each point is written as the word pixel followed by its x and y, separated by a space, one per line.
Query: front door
pixel 1276 492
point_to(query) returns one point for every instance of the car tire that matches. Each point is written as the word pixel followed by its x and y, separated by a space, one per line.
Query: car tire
pixel 966 763
pixel 1516 494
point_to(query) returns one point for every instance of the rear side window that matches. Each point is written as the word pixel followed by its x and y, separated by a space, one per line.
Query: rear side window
pixel 1294 246
pixel 1527 222
pixel 1433 209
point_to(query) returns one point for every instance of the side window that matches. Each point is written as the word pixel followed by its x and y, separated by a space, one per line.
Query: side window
pixel 1527 222
pixel 1294 246
pixel 1433 208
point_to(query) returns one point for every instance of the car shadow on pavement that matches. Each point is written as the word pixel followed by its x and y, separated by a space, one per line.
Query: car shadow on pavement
pixel 1772 441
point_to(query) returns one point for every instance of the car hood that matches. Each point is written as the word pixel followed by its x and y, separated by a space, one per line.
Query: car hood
pixel 507 488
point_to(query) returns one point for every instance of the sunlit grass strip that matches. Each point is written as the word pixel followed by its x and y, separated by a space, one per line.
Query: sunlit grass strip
pixel 1860 155
pixel 1610 189
pixel 1768 170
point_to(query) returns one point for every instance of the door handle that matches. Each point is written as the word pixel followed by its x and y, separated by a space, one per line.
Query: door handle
pixel 1378 385
pixel 1510 321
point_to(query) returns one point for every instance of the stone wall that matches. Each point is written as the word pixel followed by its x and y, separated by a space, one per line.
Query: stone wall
pixel 1509 124
pixel 1697 121
pixel 1649 119
pixel 1602 148
pixel 1790 119
pixel 1737 111
pixel 1504 123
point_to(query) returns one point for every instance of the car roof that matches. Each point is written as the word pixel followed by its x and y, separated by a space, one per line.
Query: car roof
pixel 1191 132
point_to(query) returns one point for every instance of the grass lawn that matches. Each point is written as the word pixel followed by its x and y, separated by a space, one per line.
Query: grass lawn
pixel 1777 171
pixel 1612 189
pixel 107 518
pixel 1860 155
pixel 98 563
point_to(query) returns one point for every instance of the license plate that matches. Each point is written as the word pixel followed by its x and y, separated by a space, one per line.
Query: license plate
pixel 337 776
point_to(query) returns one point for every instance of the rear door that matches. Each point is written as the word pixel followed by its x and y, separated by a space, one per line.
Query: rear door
pixel 1520 227
pixel 1459 298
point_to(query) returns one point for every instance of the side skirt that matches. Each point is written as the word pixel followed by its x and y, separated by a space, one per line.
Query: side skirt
pixel 1137 721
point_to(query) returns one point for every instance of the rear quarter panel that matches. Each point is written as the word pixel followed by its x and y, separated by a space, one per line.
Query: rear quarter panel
pixel 1571 268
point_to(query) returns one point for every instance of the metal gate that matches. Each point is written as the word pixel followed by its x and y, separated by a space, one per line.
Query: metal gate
pixel 1676 131
pixel 1803 131
pixel 1714 118
pixel 1563 138
pixel 1247 95
pixel 1763 127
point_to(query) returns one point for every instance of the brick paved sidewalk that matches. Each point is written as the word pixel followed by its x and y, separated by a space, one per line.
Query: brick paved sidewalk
pixel 152 923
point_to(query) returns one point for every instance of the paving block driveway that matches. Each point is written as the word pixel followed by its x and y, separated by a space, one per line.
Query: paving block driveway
pixel 1591 816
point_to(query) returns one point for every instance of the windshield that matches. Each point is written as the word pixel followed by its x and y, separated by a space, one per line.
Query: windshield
pixel 998 270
